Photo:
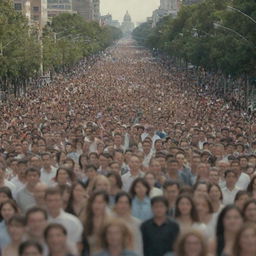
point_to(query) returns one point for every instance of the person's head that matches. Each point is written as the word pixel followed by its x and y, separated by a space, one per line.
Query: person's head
pixel 243 161
pixel 235 165
pixel 53 200
pixel 46 160
pixel 115 233
pixel 140 188
pixel 101 182
pixel 245 241
pixel 249 211
pixel 150 177
pixel 32 176
pixel 191 243
pixel 159 205
pixel 83 161
pixel 8 209
pixel 115 167
pixel 30 248
pixel 64 176
pixel 171 190
pixel 123 203
pixel 215 193
pixel 5 194
pixel 155 166
pixel 230 178
pixel 203 205
pixel 240 199
pixel 252 186
pixel 91 171
pixel 146 145
pixel 172 165
pixel 55 236
pixel 36 221
pixel 115 180
pixel 39 192
pixel 214 176
pixel 16 227
pixel 78 192
pixel 180 157
pixel 134 163
pixel 200 188
pixel 185 206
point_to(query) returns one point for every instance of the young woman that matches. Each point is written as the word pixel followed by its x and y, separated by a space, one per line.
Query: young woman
pixel 78 200
pixel 200 188
pixel 141 206
pixel 116 239
pixel 96 216
pixel 249 211
pixel 252 187
pixel 240 199
pixel 186 214
pixel 7 210
pixel 150 177
pixel 29 248
pixel 64 176
pixel 229 222
pixel 16 228
pixel 115 186
pixel 5 194
pixel 215 195
pixel 245 241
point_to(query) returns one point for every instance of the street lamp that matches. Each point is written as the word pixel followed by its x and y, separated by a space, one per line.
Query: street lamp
pixel 246 15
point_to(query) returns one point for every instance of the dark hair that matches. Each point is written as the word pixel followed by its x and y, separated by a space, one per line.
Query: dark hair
pixel 91 166
pixel 220 227
pixel 54 226
pixel 30 243
pixel 67 170
pixel 123 194
pixel 210 186
pixel 52 191
pixel 247 203
pixel 13 205
pixel 250 186
pixel 229 171
pixel 193 212
pixel 7 191
pixel 160 199
pixel 143 182
pixel 35 209
pixel 80 160
pixel 32 169
pixel 117 177
pixel 239 194
pixel 17 219
pixel 170 183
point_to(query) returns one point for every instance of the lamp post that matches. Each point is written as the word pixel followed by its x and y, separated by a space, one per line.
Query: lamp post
pixel 246 15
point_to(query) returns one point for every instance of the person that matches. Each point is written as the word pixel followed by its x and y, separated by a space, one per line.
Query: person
pixel 56 214
pixel 216 197
pixel 64 176
pixel 25 196
pixel 56 238
pixel 29 248
pixel 48 171
pixel 229 222
pixel 115 186
pixel 4 182
pixel 5 194
pixel 249 211
pixel 116 239
pixel 141 207
pixel 252 187
pixel 245 241
pixel 200 188
pixel 150 177
pixel 241 198
pixel 16 227
pixel 122 209
pixel 159 233
pixel 191 243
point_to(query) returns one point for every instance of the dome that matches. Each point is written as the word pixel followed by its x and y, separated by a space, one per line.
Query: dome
pixel 127 17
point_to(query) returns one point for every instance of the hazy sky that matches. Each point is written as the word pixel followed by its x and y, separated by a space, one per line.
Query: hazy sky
pixel 138 9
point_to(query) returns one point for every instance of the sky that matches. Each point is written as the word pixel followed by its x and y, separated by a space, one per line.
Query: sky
pixel 138 9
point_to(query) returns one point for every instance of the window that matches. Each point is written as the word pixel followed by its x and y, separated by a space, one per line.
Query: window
pixel 18 6
pixel 36 9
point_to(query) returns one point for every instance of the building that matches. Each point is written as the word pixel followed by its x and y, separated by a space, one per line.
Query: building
pixel 39 13
pixel 127 24
pixel 96 10
pixel 167 7
pixel 107 20
pixel 56 7
pixel 23 6
pixel 83 8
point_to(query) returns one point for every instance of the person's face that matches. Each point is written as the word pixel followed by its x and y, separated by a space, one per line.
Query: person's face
pixel 122 206
pixel 231 179
pixel 248 240
pixel 79 193
pixel 91 173
pixel 114 236
pixel 118 140
pixel 201 189
pixel 232 221
pixel 46 160
pixel 192 246
pixel 171 193
pixel 201 206
pixel 151 180
pixel 155 166
pixel 62 177
pixel 103 161
pixel 250 212
pixel 102 184
pixel 162 162
pixel 134 163
pixel 7 212
pixel 172 166
pixel 241 201
pixel 214 193
pixel 140 190
pixel 159 209
pixel 180 158
pixel 32 178
pixel 115 168
pixel 36 224
pixel 184 206
pixel 56 240
pixel 54 202
pixel 146 147
pixel 31 251
pixel 3 197
pixel 243 162
pixel 99 206
pixel 213 177
pixel 16 231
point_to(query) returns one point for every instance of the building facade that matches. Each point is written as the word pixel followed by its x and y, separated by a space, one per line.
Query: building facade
pixel 83 8
pixel 127 25
pixel 96 10
pixel 56 7
pixel 23 6
pixel 39 13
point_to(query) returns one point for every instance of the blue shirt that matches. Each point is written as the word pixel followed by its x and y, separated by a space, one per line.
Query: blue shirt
pixel 4 235
pixel 124 253
pixel 141 209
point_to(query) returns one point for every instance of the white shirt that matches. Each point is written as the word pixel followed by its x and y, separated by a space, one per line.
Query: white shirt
pixel 243 181
pixel 48 177
pixel 229 195
pixel 128 179
pixel 11 186
pixel 71 223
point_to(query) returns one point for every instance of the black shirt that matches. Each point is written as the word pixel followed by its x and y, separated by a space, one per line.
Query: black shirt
pixel 158 240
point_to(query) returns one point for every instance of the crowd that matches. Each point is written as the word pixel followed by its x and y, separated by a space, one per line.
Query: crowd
pixel 124 158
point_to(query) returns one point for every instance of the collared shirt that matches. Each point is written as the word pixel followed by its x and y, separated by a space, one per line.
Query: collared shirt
pixel 48 177
pixel 229 195
pixel 158 240
pixel 25 199
pixel 71 223
pixel 141 209
pixel 128 179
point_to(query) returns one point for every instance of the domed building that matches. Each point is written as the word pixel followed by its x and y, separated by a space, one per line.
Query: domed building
pixel 127 24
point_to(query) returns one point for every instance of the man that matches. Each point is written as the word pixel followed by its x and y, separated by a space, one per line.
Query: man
pixel 159 233
pixel 25 196
pixel 39 194
pixel 4 182
pixel 243 179
pixel 48 172
pixel 133 173
pixel 148 152
pixel 54 204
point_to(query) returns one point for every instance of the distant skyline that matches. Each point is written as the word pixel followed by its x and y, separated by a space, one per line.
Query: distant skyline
pixel 138 9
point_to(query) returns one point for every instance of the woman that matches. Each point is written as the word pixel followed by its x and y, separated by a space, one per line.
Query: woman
pixel 5 194
pixel 101 182
pixel 156 168
pixel 249 211
pixel 96 216
pixel 7 210
pixel 115 186
pixel 252 187
pixel 64 176
pixel 186 214
pixel 191 243
pixel 200 188
pixel 122 209
pixel 245 242
pixel 150 177
pixel 240 199
pixel 229 222
pixel 55 236
pixel 215 195
pixel 16 228
pixel 116 239
pixel 78 200
pixel 29 248
pixel 141 206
